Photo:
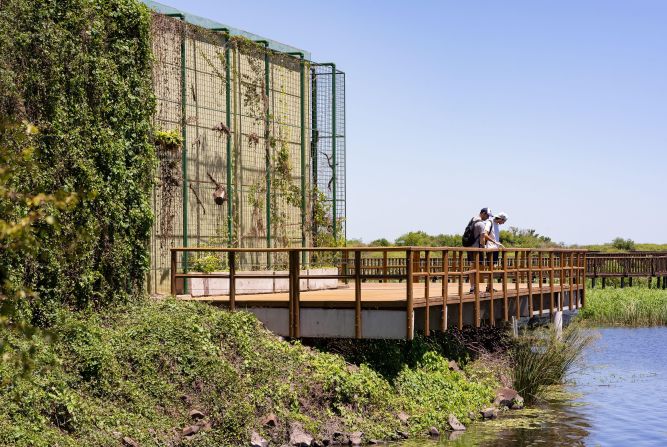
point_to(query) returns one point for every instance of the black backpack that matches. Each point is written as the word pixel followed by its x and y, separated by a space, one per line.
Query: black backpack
pixel 468 238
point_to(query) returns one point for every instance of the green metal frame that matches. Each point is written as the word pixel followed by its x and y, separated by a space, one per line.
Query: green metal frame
pixel 302 112
pixel 184 150
pixel 267 92
pixel 228 123
pixel 333 149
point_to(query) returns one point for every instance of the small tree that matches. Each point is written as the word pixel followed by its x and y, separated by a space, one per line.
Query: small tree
pixel 623 244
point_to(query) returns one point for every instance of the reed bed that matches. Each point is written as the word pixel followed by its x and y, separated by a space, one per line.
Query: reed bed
pixel 540 358
pixel 625 307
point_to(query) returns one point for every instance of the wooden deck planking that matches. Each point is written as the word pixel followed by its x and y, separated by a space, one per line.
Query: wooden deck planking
pixel 378 295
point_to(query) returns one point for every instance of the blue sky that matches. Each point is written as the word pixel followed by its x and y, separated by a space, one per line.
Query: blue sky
pixel 552 111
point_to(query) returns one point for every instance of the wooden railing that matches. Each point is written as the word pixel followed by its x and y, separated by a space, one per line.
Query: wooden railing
pixel 627 266
pixel 520 273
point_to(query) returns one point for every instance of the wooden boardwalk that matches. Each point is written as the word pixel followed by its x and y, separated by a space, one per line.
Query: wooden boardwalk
pixel 372 291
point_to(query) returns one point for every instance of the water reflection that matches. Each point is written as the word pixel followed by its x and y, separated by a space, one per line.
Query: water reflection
pixel 623 389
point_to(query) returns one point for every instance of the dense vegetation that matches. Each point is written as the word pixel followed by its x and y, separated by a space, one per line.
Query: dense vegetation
pixel 79 72
pixel 138 370
pixel 631 306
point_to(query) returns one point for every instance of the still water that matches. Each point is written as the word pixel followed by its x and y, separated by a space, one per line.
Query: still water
pixel 621 400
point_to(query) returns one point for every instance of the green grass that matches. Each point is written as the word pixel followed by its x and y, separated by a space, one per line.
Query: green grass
pixel 139 369
pixel 631 306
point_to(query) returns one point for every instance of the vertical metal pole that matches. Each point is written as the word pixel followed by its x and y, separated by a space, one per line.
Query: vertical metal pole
pixel 302 113
pixel 184 151
pixel 267 161
pixel 228 123
pixel 313 144
pixel 303 158
pixel 333 149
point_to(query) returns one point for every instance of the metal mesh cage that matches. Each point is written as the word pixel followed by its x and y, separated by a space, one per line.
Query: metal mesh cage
pixel 328 148
pixel 244 115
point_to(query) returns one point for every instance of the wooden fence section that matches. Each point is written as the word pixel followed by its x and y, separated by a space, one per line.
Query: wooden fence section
pixel 627 266
pixel 424 282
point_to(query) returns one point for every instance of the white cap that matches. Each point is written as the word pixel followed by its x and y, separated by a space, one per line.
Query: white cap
pixel 501 215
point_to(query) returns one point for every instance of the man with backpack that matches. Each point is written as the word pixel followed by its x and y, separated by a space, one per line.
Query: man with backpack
pixel 476 236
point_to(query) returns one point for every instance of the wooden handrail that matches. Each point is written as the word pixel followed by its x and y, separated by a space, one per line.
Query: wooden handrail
pixel 565 267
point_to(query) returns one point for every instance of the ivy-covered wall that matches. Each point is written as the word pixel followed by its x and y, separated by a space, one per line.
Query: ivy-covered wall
pixel 80 70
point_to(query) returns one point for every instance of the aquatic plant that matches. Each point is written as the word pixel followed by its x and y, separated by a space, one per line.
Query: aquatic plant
pixel 541 358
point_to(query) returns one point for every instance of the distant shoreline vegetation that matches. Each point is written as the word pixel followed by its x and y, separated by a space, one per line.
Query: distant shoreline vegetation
pixel 513 237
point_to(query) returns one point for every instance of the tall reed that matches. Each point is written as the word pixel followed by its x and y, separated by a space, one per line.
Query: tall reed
pixel 539 358
pixel 631 306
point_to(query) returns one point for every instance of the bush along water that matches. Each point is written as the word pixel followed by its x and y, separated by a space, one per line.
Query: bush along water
pixel 541 358
pixel 173 373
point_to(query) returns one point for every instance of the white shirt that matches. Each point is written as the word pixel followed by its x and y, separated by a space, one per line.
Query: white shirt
pixel 493 229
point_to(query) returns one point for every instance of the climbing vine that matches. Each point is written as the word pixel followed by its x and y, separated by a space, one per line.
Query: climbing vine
pixel 81 72
pixel 169 145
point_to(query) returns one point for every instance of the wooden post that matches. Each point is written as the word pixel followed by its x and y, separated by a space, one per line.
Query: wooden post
pixel 604 282
pixel 477 281
pixel 505 300
pixel 561 259
pixel 346 263
pixel 517 279
pixel 409 298
pixel 231 258
pixel 529 260
pixel 461 289
pixel 357 294
pixel 583 290
pixel 427 283
pixel 572 281
pixel 295 271
pixel 174 266
pixel 492 315
pixel 445 290
pixel 551 286
pixel 384 264
pixel 540 275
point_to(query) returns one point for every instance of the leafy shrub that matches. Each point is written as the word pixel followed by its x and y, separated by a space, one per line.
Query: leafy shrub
pixel 432 392
pixel 209 263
